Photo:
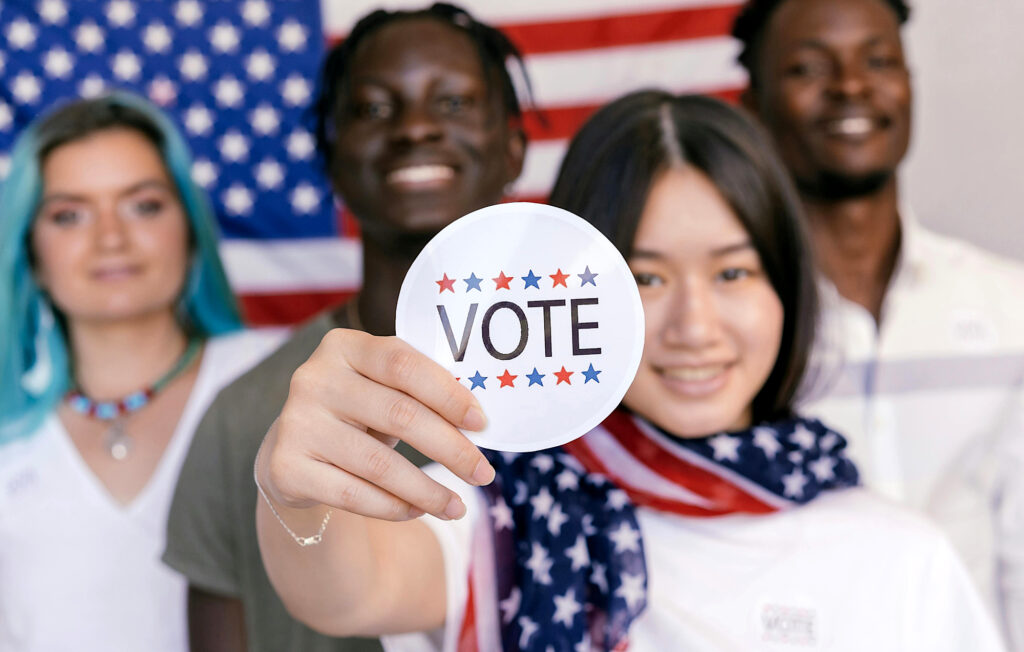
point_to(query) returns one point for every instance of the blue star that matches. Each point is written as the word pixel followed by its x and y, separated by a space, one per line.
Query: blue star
pixel 590 373
pixel 473 283
pixel 588 277
pixel 478 381
pixel 535 378
pixel 530 280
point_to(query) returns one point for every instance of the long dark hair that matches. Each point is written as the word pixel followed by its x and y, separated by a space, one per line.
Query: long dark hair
pixel 615 158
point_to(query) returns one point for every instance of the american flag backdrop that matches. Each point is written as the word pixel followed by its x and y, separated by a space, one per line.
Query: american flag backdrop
pixel 238 76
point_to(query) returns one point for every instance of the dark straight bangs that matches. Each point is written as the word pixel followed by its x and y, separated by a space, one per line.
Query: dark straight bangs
pixel 615 158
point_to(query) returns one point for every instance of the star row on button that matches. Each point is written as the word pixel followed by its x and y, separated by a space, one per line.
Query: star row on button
pixel 508 379
pixel 502 282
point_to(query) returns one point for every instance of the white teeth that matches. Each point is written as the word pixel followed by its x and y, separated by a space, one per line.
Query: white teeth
pixel 421 174
pixel 851 126
pixel 693 374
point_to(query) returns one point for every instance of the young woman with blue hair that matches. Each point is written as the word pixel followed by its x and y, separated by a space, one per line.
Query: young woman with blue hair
pixel 117 328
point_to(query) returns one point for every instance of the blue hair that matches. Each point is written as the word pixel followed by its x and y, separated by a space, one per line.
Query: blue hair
pixel 35 368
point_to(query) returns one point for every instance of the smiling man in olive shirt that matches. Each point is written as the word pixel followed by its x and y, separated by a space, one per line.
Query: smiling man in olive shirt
pixel 419 125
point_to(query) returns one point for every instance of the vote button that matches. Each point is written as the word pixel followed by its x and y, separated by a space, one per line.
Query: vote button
pixel 533 310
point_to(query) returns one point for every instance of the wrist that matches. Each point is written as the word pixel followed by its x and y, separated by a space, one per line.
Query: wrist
pixel 299 515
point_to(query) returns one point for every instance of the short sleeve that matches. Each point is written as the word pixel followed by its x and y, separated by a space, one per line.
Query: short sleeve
pixel 199 535
pixel 949 615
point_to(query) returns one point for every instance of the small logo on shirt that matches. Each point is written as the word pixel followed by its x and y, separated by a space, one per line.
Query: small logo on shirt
pixel 973 331
pixel 21 481
pixel 789 625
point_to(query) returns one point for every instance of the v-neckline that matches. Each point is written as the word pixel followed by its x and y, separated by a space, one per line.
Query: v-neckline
pixel 174 446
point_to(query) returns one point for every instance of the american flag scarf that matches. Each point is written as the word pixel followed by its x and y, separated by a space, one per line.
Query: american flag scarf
pixel 558 564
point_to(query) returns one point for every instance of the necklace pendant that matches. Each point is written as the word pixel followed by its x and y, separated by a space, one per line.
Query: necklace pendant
pixel 118 443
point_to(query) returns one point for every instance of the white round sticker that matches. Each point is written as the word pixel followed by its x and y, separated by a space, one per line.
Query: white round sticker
pixel 533 310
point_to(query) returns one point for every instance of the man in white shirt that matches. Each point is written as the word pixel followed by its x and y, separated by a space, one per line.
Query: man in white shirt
pixel 929 330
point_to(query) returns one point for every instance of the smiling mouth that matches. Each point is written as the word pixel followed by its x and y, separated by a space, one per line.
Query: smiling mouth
pixel 852 127
pixel 695 381
pixel 694 374
pixel 421 176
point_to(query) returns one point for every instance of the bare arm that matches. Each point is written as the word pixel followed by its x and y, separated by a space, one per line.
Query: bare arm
pixel 215 623
pixel 378 570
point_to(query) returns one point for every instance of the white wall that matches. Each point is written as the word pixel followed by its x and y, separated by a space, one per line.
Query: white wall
pixel 965 173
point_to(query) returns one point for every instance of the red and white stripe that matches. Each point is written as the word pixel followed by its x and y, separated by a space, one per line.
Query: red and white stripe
pixel 656 473
pixel 579 54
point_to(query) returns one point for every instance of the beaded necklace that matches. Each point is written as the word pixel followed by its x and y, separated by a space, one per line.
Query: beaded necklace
pixel 117 441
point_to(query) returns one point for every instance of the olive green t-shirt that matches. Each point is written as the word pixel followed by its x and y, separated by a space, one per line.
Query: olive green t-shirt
pixel 211 529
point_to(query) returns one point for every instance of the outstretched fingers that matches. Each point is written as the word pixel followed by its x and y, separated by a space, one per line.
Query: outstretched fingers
pixel 348 405
pixel 375 480
pixel 406 395
pixel 396 364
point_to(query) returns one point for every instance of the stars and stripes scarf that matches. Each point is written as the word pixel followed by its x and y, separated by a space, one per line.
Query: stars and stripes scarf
pixel 558 564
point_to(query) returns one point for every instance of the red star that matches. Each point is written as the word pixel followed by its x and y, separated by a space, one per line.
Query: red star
pixel 506 379
pixel 501 281
pixel 559 278
pixel 446 284
pixel 563 376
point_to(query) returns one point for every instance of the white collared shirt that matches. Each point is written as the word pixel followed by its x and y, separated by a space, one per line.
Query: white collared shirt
pixel 932 401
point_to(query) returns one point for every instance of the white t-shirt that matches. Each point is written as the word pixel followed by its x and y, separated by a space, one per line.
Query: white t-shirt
pixel 848 571
pixel 79 571
pixel 931 401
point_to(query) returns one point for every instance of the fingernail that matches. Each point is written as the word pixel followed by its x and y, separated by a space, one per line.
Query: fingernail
pixel 415 512
pixel 483 473
pixel 474 419
pixel 455 508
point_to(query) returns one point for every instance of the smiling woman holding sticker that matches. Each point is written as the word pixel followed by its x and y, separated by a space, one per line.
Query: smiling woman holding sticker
pixel 703 514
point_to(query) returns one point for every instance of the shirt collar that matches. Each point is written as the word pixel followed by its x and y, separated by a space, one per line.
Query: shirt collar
pixel 911 266
pixel 912 260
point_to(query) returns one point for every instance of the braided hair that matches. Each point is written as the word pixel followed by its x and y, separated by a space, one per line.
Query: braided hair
pixel 495 50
